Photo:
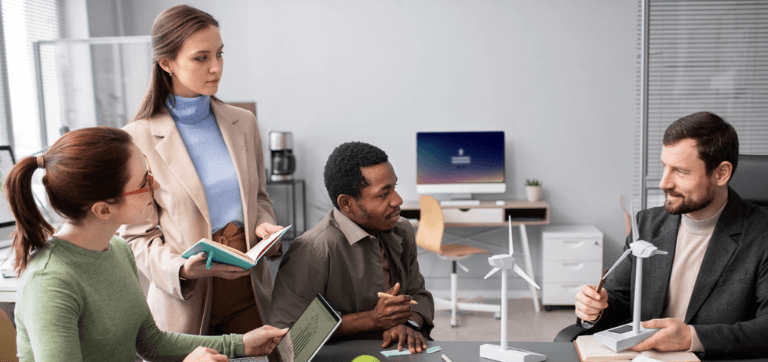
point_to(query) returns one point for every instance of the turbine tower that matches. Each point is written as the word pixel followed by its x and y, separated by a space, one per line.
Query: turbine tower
pixel 630 334
pixel 503 352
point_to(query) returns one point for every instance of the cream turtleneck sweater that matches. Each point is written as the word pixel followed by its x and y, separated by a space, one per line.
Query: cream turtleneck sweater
pixel 692 240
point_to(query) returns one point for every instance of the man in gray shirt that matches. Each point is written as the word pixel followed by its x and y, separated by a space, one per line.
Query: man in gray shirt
pixel 710 294
pixel 360 248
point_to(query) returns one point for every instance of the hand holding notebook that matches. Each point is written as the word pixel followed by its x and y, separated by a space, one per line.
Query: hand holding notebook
pixel 226 255
pixel 590 350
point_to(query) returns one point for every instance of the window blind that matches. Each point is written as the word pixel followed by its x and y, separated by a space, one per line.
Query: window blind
pixel 26 21
pixel 6 127
pixel 706 56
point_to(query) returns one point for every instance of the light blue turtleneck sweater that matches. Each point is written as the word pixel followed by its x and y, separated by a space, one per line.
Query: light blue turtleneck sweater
pixel 213 163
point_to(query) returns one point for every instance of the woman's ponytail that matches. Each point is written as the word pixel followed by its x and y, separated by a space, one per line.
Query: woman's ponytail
pixel 82 167
pixel 31 228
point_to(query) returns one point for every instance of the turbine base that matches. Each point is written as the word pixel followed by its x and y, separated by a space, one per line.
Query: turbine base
pixel 623 337
pixel 494 352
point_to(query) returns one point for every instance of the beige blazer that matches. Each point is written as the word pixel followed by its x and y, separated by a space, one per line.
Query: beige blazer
pixel 181 216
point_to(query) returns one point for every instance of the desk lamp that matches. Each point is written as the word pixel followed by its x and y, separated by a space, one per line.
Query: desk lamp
pixel 502 352
pixel 630 334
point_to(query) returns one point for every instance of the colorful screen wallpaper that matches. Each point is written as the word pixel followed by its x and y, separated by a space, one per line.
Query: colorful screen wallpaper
pixel 459 157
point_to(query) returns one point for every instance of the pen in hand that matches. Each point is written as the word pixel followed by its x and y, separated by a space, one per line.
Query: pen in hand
pixel 602 281
pixel 390 295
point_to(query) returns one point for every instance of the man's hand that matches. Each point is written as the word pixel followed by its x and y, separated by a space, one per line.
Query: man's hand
pixel 264 230
pixel 589 304
pixel 405 335
pixel 194 268
pixel 262 340
pixel 392 311
pixel 203 354
pixel 673 335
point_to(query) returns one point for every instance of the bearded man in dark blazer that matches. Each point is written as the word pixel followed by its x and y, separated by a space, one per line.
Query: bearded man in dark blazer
pixel 710 294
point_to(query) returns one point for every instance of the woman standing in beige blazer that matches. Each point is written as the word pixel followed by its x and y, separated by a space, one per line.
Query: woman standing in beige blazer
pixel 209 160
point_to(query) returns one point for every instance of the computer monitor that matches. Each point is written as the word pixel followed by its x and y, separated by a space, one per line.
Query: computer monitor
pixel 460 162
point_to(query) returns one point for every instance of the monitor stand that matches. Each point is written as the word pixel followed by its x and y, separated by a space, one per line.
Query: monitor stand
pixel 460 197
pixel 460 200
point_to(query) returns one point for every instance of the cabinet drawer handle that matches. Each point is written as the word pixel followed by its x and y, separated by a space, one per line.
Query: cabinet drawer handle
pixel 574 244
pixel 573 266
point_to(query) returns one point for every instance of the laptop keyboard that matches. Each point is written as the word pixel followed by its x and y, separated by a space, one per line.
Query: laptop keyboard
pixel 249 359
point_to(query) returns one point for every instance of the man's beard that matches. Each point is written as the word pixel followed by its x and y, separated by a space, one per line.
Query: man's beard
pixel 367 215
pixel 688 206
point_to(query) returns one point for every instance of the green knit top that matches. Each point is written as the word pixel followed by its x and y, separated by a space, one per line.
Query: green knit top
pixel 75 304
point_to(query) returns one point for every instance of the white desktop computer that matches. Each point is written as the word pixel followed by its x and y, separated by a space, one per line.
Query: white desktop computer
pixel 460 164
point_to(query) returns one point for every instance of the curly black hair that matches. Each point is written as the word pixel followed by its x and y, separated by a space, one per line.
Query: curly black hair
pixel 342 170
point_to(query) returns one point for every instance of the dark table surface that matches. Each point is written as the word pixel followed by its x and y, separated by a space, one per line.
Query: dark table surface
pixel 457 351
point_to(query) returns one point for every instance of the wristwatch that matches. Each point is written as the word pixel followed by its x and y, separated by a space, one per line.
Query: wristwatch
pixel 584 324
pixel 588 324
pixel 413 325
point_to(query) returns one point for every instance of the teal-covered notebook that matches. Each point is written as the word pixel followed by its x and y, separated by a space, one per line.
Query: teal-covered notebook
pixel 226 255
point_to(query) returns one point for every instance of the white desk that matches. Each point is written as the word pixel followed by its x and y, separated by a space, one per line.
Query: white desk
pixel 7 285
pixel 7 290
pixel 490 214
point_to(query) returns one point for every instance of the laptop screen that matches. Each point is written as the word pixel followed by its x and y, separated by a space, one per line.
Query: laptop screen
pixel 305 338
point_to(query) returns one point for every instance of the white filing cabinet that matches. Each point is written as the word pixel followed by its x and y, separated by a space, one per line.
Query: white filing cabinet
pixel 572 255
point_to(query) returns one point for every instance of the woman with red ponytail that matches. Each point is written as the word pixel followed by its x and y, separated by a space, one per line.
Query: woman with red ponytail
pixel 79 297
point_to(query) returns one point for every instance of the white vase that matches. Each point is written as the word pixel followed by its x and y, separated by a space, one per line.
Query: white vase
pixel 534 192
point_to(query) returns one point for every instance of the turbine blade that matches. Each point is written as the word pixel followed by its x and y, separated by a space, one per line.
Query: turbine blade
pixel 494 270
pixel 623 256
pixel 511 243
pixel 635 233
pixel 524 276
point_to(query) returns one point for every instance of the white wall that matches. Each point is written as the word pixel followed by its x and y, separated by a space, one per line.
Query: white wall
pixel 558 77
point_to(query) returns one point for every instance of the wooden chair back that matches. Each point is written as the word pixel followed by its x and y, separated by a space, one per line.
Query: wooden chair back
pixel 627 216
pixel 7 339
pixel 431 224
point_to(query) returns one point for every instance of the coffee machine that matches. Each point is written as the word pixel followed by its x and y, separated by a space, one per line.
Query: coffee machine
pixel 283 161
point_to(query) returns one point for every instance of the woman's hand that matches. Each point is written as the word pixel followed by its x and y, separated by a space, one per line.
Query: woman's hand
pixel 194 268
pixel 203 354
pixel 262 340
pixel 264 230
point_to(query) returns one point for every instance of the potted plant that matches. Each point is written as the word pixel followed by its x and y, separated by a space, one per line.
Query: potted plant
pixel 533 189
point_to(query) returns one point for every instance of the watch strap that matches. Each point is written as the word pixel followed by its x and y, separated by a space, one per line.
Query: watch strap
pixel 588 324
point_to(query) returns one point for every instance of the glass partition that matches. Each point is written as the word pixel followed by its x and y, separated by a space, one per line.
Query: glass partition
pixel 90 82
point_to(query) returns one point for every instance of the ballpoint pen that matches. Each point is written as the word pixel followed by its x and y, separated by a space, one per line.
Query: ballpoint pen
pixel 602 281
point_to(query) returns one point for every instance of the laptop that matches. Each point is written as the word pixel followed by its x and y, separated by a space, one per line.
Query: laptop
pixel 305 338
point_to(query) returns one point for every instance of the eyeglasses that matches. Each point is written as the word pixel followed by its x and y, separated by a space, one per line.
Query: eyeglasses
pixel 150 181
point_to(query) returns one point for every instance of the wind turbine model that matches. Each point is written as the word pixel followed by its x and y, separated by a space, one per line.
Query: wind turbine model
pixel 502 352
pixel 630 334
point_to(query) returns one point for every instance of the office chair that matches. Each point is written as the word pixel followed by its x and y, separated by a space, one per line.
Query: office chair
pixel 430 237
pixel 7 339
pixel 750 181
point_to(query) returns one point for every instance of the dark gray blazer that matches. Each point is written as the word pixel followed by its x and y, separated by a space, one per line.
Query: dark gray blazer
pixel 729 303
